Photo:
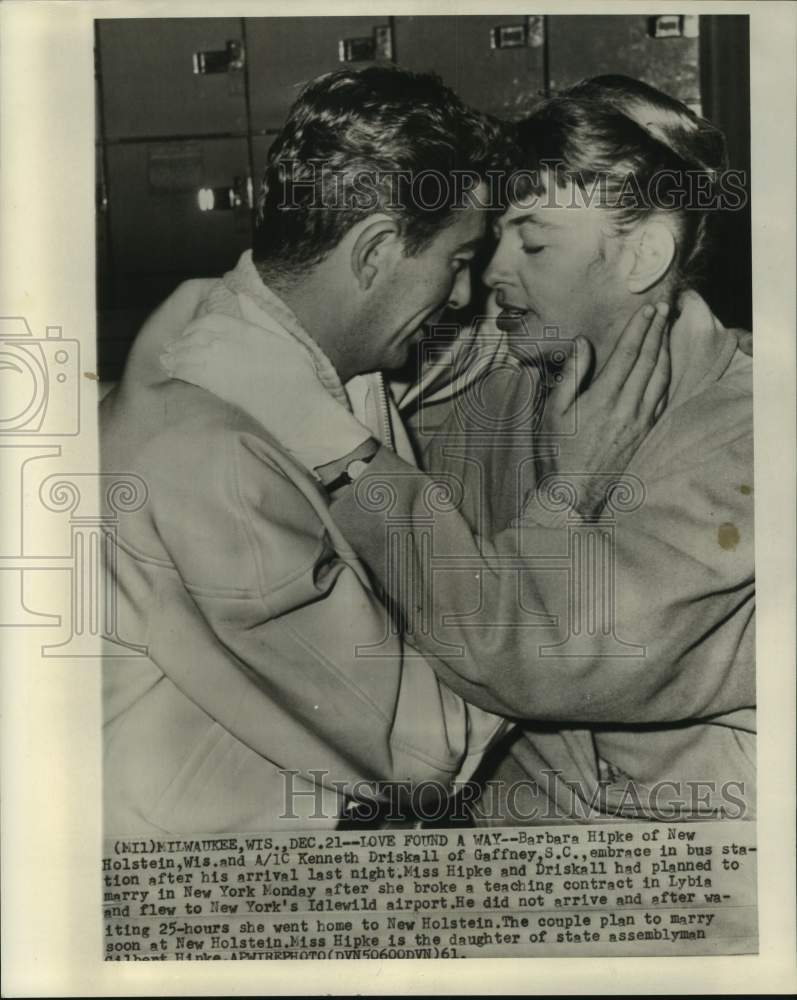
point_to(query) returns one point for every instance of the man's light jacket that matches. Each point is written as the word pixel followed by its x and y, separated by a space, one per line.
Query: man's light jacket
pixel 272 666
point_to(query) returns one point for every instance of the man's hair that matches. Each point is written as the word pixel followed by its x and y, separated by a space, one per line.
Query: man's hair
pixel 611 130
pixel 368 140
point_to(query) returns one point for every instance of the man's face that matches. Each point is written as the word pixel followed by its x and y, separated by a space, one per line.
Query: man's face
pixel 556 265
pixel 421 287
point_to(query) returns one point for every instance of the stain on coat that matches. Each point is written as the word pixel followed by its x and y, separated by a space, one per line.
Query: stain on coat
pixel 728 536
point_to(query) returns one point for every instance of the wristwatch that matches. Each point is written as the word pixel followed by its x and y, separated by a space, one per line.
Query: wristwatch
pixel 352 472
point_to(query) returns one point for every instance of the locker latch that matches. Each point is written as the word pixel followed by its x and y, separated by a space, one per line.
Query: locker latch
pixel 227 60
pixel 674 26
pixel 368 48
pixel 237 196
pixel 530 33
pixel 508 36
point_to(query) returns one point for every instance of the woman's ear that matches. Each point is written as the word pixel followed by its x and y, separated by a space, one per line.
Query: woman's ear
pixel 651 253
pixel 375 240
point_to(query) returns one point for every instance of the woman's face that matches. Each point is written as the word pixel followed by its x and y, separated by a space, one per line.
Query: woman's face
pixel 559 265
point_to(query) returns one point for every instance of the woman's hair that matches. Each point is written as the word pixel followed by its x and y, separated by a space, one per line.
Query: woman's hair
pixel 635 151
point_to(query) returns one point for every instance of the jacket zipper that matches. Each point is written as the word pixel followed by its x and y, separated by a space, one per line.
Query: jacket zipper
pixel 384 412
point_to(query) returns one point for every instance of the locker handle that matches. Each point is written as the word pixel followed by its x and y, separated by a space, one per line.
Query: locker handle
pixel 237 196
pixel 369 48
pixel 228 60
pixel 527 34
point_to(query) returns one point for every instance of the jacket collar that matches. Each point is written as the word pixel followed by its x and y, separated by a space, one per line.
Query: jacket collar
pixel 701 349
pixel 255 298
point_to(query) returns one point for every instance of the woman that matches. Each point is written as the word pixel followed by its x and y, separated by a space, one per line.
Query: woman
pixel 620 628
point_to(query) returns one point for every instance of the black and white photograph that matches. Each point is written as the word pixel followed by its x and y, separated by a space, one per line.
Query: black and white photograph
pixel 414 560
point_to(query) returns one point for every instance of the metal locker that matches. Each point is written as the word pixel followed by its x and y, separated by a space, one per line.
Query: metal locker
pixel 494 63
pixel 179 207
pixel 580 46
pixel 172 76
pixel 283 53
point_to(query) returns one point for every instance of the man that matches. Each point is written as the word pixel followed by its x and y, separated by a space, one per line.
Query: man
pixel 268 649
pixel 622 625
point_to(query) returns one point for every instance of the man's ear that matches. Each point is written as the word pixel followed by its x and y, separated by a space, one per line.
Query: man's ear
pixel 375 239
pixel 650 255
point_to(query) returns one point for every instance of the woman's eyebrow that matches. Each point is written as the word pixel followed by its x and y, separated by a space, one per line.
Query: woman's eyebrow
pixel 527 219
pixel 530 218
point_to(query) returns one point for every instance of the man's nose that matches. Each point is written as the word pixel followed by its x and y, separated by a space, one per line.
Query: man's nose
pixel 460 293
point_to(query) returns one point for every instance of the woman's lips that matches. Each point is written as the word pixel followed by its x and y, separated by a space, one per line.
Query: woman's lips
pixel 511 320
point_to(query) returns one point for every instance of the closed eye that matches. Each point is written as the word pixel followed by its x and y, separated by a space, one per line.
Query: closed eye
pixel 533 249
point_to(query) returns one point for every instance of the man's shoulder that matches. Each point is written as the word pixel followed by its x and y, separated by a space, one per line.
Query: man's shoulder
pixel 194 420
pixel 225 501
pixel 187 441
pixel 216 440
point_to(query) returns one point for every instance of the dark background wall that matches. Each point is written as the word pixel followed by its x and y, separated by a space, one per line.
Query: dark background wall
pixel 188 107
pixel 725 88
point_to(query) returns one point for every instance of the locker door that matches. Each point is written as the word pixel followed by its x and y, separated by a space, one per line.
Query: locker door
pixel 505 81
pixel 159 235
pixel 170 211
pixel 149 84
pixel 283 53
pixel 581 46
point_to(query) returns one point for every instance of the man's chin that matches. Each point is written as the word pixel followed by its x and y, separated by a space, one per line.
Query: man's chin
pixel 409 353
pixel 399 359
